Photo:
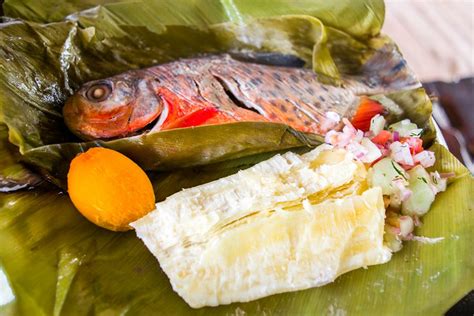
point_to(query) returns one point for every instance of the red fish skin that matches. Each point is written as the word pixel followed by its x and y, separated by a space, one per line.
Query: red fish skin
pixel 207 90
pixel 183 113
pixel 279 94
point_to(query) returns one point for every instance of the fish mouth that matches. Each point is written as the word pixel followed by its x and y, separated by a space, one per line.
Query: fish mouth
pixel 145 129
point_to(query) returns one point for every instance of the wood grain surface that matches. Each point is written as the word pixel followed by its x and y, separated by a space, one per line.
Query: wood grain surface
pixel 435 36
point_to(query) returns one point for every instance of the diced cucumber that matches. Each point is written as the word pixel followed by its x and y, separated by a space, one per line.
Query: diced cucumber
pixel 377 123
pixel 422 195
pixel 383 173
pixel 405 128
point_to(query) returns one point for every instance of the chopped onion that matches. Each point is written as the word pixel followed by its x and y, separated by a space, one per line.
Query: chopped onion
pixel 396 136
pixel 438 182
pixel 373 152
pixel 425 158
pixel 348 124
pixel 358 150
pixel 331 137
pixel 401 153
pixel 406 226
pixel 359 135
pixel 384 151
pixel 331 120
pixel 402 191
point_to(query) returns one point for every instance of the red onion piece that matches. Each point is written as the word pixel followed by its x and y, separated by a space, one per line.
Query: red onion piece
pixel 396 136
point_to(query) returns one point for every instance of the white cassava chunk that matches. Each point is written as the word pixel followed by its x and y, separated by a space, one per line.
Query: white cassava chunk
pixel 286 224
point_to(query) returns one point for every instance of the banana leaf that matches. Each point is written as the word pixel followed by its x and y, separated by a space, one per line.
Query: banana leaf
pixel 105 41
pixel 59 263
pixel 357 18
pixel 56 262
pixel 71 53
pixel 13 174
pixel 179 148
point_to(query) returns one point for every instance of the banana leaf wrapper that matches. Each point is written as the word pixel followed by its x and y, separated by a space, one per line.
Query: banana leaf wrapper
pixel 59 263
pixel 106 40
pixel 13 174
pixel 56 262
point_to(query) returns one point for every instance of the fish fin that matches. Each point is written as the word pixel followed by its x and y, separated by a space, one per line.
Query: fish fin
pixel 367 109
pixel 269 59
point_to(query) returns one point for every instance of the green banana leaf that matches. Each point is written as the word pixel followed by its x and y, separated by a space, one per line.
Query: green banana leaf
pixel 59 263
pixel 179 148
pixel 107 41
pixel 70 54
pixel 56 262
pixel 13 174
pixel 357 18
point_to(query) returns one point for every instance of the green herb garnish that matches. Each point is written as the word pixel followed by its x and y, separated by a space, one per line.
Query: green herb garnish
pixel 398 171
pixel 412 134
pixel 423 179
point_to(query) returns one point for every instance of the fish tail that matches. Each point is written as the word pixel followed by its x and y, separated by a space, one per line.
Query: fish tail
pixel 385 71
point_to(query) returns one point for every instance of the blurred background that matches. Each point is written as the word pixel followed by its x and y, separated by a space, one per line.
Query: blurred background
pixel 437 39
pixel 435 36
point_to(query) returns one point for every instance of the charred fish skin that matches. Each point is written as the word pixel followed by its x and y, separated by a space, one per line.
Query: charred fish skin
pixel 219 89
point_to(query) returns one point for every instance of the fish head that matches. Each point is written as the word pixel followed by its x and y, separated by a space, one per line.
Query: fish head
pixel 112 107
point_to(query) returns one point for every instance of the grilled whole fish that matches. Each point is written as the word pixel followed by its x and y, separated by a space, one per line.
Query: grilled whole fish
pixel 219 89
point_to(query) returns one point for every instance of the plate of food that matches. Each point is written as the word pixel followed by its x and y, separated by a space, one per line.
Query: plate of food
pixel 222 157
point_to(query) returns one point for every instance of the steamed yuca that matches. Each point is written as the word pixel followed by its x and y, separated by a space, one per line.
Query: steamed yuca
pixel 286 224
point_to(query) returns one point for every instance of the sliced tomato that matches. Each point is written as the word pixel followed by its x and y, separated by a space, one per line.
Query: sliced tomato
pixel 415 144
pixel 382 138
pixel 368 108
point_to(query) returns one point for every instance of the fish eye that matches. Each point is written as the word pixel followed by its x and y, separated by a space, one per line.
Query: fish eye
pixel 99 92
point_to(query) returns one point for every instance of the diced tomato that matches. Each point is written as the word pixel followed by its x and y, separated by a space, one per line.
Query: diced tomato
pixel 382 138
pixel 368 108
pixel 415 144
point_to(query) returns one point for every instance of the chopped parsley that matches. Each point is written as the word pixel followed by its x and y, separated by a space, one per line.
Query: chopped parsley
pixel 398 171
pixel 423 179
pixel 416 132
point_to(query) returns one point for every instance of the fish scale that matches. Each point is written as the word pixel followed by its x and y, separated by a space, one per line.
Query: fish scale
pixel 220 89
